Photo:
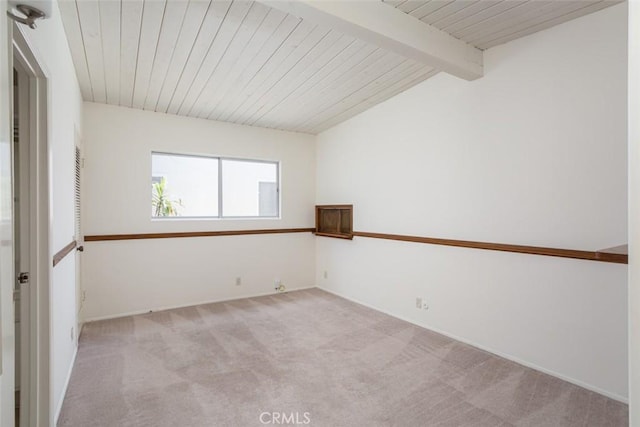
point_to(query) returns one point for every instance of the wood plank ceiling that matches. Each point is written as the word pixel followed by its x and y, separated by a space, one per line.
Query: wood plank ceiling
pixel 243 62
pixel 488 23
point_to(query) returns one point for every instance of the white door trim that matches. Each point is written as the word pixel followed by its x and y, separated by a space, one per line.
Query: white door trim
pixel 39 411
pixel 22 225
pixel 7 260
pixel 634 210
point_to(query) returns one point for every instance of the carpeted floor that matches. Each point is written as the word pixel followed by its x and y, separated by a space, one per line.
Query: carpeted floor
pixel 308 357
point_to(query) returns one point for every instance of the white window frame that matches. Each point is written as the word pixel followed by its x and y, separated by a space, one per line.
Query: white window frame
pixel 219 160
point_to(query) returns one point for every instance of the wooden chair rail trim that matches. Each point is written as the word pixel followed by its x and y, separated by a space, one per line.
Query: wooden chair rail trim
pixel 59 256
pixel 336 235
pixel 109 237
pixel 601 256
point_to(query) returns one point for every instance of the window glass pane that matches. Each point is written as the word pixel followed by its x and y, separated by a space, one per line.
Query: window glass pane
pixel 249 188
pixel 184 185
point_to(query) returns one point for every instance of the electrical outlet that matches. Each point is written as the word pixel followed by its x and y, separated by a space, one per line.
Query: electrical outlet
pixel 326 275
pixel 421 303
pixel 72 335
pixel 279 286
pixel 238 281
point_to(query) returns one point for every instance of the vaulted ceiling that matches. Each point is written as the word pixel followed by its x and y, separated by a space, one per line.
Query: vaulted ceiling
pixel 488 23
pixel 293 65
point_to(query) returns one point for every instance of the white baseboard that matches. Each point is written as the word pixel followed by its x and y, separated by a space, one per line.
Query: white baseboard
pixel 490 350
pixel 66 384
pixel 191 304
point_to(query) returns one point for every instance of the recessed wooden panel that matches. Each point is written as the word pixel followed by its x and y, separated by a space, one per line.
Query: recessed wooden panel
pixel 345 221
pixel 334 221
pixel 329 221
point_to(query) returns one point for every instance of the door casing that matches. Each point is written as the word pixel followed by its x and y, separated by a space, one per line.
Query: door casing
pixel 35 302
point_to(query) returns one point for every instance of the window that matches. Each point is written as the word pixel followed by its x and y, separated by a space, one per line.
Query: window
pixel 198 186
pixel 249 188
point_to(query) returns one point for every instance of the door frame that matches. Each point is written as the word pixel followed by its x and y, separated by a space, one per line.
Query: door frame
pixel 38 400
pixel 21 160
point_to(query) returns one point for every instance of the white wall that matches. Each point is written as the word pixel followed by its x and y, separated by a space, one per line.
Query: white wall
pixel 50 47
pixel 122 277
pixel 533 153
pixel 634 212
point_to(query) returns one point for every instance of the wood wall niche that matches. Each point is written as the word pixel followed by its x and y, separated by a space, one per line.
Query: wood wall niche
pixel 334 221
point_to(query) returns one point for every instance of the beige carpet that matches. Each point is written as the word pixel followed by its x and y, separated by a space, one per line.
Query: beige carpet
pixel 311 355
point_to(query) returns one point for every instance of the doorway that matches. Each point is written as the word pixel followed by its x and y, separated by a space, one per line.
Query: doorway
pixel 21 230
pixel 31 232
